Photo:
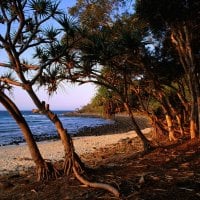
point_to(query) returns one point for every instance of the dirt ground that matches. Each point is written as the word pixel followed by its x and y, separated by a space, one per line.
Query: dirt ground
pixel 169 172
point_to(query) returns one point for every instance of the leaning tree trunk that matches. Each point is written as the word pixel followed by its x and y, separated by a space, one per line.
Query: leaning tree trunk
pixel 194 108
pixel 44 170
pixel 64 136
pixel 67 143
pixel 180 124
pixel 72 161
pixel 146 143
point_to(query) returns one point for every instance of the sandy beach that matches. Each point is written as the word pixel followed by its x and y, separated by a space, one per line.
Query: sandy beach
pixel 16 158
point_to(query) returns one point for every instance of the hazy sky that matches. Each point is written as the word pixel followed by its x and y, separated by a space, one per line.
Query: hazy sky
pixel 70 98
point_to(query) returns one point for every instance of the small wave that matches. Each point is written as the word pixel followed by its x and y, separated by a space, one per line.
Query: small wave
pixel 41 126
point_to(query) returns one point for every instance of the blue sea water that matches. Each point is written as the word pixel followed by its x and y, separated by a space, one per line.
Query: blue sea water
pixel 41 126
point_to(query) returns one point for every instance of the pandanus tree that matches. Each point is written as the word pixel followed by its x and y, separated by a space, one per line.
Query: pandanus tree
pixel 103 58
pixel 102 45
pixel 23 29
pixel 180 20
pixel 28 28
pixel 148 67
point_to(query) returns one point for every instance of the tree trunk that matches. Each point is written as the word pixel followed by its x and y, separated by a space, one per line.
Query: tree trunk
pixel 44 170
pixel 170 128
pixel 198 100
pixel 65 137
pixel 146 143
pixel 67 143
pixel 194 109
pixel 167 108
pixel 159 130
pixel 197 90
pixel 72 161
pixel 178 118
pixel 181 37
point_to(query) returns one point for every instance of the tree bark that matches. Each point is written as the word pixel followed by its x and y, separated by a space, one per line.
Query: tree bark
pixel 170 128
pixel 64 136
pixel 178 118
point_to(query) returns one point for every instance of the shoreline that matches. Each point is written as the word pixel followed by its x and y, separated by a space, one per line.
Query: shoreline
pixel 16 159
pixel 119 124
pixel 122 123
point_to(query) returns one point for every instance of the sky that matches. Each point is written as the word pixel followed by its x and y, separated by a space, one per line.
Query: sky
pixel 72 97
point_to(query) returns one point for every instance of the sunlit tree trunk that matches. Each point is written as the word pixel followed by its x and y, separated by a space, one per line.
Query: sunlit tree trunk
pixel 64 136
pixel 44 170
pixel 178 117
pixel 170 127
pixel 181 37
pixel 168 116
pixel 180 124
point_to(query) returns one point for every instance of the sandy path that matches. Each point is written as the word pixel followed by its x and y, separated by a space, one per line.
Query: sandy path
pixel 17 158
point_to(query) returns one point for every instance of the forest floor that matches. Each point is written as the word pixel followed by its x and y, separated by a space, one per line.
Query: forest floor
pixel 168 172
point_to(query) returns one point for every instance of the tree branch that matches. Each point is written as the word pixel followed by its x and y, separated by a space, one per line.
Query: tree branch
pixel 5 65
pixel 9 81
pixel 29 67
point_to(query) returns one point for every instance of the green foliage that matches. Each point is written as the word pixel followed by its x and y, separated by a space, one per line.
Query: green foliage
pixel 100 102
pixel 4 85
pixel 29 32
pixel 99 13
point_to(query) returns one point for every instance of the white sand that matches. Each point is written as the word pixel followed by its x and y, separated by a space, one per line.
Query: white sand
pixel 17 158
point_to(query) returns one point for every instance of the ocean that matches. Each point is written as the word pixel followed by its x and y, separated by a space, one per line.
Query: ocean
pixel 41 127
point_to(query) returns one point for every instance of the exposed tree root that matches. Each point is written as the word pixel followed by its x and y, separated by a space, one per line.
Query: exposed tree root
pixel 47 171
pixel 74 164
pixel 70 161
pixel 68 166
pixel 107 187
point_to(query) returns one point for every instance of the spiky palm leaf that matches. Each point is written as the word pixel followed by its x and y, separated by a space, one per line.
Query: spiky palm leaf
pixel 51 33
pixel 40 7
pixel 51 79
pixel 68 25
pixel 6 86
